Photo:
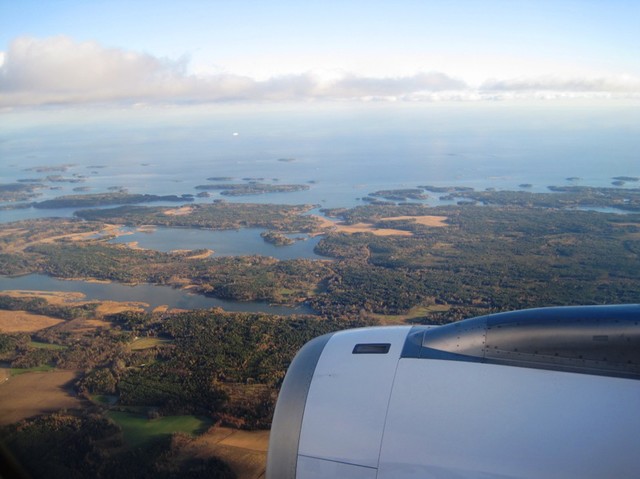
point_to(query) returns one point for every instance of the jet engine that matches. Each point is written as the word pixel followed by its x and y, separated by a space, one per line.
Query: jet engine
pixel 540 393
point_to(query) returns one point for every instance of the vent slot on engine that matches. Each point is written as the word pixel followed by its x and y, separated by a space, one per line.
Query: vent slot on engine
pixel 371 348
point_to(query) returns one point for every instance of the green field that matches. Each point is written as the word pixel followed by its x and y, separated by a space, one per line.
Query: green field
pixel 413 313
pixel 138 430
pixel 40 345
pixel 44 368
pixel 104 399
pixel 146 343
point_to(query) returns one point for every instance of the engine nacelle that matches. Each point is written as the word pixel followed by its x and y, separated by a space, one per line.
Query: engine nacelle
pixel 540 393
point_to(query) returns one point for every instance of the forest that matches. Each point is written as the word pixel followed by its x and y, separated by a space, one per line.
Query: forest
pixel 223 366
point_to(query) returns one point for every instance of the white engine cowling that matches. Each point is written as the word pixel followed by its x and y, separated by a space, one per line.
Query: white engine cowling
pixel 541 393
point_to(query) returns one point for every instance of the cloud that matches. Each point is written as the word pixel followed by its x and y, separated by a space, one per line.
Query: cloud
pixel 353 86
pixel 59 70
pixel 619 84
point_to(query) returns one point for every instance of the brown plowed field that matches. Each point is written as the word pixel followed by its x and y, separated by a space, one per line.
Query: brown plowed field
pixel 35 393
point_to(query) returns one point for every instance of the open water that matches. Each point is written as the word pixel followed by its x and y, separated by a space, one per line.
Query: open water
pixel 344 152
pixel 245 241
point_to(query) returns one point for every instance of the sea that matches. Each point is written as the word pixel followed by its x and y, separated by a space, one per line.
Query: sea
pixel 341 151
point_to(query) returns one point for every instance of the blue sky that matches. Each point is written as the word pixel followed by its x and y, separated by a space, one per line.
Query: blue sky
pixel 130 52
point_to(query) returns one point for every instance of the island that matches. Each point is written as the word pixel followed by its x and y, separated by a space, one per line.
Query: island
pixel 568 197
pixel 400 194
pixel 14 192
pixel 62 179
pixel 105 199
pixel 277 239
pixel 445 189
pixel 51 168
pixel 242 189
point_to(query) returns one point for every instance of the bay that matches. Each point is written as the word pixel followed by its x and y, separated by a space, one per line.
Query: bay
pixel 246 241
pixel 153 295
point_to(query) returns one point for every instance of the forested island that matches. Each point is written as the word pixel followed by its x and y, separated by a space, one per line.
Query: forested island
pixel 251 188
pixel 23 191
pixel 277 239
pixel 401 194
pixel 106 199
pixel 385 264
pixel 572 197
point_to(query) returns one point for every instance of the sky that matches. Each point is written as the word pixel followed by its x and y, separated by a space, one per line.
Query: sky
pixel 66 53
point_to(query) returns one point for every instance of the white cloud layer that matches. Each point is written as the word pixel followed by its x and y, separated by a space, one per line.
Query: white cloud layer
pixel 59 70
pixel 620 84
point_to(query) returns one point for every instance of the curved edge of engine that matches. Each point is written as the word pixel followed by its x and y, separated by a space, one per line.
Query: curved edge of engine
pixel 282 456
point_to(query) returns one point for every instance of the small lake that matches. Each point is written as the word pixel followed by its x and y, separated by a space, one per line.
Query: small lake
pixel 245 241
pixel 151 294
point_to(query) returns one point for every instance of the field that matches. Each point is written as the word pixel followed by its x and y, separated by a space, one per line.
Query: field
pixel 23 322
pixel 182 211
pixel 138 430
pixel 43 368
pixel 58 298
pixel 425 220
pixel 414 313
pixel 433 221
pixel 53 347
pixel 28 394
pixel 244 451
pixel 146 343
pixel 24 237
pixel 112 307
pixel 369 228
